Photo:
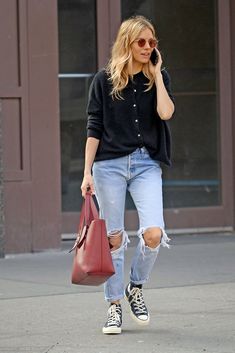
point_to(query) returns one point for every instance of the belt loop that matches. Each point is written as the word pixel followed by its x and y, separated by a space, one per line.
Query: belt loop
pixel 141 148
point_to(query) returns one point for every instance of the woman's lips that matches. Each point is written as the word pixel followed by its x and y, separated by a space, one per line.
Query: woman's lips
pixel 146 56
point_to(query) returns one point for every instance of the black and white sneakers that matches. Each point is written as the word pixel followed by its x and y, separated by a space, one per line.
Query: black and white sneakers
pixel 114 320
pixel 139 312
pixel 134 296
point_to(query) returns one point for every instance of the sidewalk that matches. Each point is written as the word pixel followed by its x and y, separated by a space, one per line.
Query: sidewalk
pixel 191 298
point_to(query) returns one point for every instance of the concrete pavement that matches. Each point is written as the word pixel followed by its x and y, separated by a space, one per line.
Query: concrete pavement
pixel 191 298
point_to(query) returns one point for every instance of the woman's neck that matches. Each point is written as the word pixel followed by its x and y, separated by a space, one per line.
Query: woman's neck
pixel 136 68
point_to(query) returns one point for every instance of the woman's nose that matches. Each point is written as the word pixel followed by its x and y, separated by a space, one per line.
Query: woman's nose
pixel 147 45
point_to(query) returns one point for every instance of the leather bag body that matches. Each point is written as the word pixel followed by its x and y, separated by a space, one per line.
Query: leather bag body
pixel 92 264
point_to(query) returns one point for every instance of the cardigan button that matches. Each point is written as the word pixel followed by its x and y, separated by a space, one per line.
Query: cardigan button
pixel 134 105
pixel 138 135
pixel 134 90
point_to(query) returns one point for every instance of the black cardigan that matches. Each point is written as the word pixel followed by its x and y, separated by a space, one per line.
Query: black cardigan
pixel 122 125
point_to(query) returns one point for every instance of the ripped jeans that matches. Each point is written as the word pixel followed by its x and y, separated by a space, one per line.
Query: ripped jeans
pixel 141 176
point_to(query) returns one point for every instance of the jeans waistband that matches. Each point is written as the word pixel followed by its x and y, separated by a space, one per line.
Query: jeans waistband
pixel 141 150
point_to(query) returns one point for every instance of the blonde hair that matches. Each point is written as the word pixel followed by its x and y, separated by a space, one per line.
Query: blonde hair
pixel 120 63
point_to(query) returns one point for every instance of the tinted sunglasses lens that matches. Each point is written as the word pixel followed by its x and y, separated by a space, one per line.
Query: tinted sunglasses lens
pixel 141 42
pixel 152 43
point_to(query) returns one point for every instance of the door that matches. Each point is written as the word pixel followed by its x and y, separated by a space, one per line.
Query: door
pixel 85 31
pixel 192 41
pixel 197 189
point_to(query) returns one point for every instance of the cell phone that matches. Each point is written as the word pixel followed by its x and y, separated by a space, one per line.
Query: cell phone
pixel 154 57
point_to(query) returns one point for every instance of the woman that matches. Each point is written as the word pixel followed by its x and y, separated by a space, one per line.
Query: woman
pixel 128 137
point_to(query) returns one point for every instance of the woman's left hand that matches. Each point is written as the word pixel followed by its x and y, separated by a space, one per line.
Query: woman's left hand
pixel 156 69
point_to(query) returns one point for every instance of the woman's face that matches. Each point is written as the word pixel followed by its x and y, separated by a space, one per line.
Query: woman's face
pixel 141 55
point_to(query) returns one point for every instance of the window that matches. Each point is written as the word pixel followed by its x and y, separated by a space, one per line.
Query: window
pixel 78 64
pixel 187 33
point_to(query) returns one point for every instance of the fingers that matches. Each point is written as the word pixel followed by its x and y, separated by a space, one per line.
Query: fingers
pixel 159 58
pixel 159 54
pixel 86 189
pixel 87 186
pixel 155 69
pixel 91 189
pixel 83 192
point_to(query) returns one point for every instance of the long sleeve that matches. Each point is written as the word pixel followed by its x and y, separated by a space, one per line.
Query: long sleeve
pixel 95 109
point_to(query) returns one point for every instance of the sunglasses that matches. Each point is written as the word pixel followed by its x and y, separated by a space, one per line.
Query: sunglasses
pixel 141 42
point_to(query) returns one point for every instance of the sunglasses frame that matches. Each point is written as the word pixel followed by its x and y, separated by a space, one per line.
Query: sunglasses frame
pixel 152 40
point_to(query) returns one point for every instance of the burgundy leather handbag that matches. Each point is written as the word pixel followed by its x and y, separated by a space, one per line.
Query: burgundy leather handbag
pixel 92 264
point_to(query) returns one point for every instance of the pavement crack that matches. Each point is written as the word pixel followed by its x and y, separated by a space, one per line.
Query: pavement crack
pixel 50 348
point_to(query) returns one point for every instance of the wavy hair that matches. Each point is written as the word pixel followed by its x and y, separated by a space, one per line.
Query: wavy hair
pixel 120 64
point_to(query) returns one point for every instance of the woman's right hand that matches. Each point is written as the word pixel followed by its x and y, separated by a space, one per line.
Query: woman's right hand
pixel 87 185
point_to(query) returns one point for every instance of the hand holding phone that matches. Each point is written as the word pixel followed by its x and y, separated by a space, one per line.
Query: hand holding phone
pixel 154 57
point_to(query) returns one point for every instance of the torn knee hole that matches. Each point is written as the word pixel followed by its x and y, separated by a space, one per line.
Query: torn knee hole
pixel 152 237
pixel 115 240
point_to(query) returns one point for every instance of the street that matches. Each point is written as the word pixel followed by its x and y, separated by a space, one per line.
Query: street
pixel 190 296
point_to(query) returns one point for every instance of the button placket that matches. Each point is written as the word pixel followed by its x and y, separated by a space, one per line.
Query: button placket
pixel 136 118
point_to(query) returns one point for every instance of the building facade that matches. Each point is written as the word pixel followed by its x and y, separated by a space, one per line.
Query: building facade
pixel 50 52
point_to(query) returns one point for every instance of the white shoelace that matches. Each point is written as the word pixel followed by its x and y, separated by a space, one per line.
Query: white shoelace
pixel 114 315
pixel 138 300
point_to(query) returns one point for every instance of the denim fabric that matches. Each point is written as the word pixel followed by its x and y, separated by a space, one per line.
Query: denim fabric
pixel 141 176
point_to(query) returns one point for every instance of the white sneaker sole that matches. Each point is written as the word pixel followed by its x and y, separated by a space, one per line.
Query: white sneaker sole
pixel 140 322
pixel 111 330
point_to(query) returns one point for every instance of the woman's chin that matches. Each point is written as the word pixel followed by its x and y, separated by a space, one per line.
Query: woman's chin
pixel 145 60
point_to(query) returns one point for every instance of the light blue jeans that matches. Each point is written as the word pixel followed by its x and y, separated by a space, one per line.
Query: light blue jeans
pixel 142 177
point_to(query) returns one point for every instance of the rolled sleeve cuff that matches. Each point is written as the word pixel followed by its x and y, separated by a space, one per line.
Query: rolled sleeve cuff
pixel 94 133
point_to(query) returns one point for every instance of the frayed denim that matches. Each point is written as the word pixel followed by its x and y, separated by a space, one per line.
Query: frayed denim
pixel 142 177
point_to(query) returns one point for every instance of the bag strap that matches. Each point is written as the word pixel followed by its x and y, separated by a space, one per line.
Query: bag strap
pixel 88 213
pixel 91 211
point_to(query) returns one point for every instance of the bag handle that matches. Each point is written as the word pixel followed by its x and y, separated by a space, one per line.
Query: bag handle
pixel 89 212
